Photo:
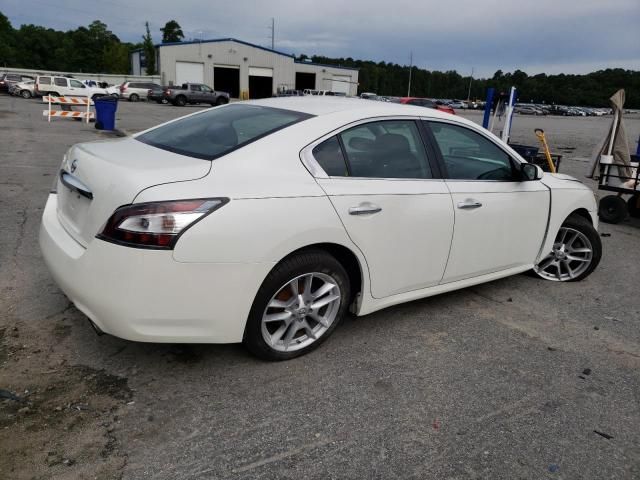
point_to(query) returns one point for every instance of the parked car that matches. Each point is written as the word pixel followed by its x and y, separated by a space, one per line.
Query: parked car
pixel 264 221
pixel 65 86
pixel 425 102
pixel 195 93
pixel 24 89
pixel 457 104
pixel 527 110
pixel 134 91
pixel 9 79
pixel 156 94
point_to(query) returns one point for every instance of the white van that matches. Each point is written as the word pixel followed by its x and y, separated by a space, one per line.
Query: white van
pixel 65 87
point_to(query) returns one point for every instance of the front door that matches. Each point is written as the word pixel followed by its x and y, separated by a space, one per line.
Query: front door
pixel 381 182
pixel 500 219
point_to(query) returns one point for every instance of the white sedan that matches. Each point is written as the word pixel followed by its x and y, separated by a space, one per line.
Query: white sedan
pixel 263 222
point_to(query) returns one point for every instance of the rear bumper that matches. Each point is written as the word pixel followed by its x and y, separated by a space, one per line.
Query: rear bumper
pixel 145 295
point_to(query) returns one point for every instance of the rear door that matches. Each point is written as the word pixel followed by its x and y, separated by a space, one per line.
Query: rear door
pixel 195 93
pixel 384 186
pixel 61 86
pixel 500 220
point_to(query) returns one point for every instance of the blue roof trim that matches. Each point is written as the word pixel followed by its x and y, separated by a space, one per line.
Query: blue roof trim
pixel 302 62
pixel 217 40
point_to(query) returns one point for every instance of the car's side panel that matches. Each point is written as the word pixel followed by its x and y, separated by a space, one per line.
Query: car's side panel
pixel 370 305
pixel 261 230
pixel 566 198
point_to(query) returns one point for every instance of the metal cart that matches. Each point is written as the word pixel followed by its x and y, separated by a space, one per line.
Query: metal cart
pixel 613 208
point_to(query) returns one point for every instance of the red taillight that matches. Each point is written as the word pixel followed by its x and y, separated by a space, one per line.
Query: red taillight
pixel 123 87
pixel 157 225
pixel 167 92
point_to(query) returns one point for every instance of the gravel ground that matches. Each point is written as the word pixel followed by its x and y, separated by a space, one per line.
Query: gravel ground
pixel 517 378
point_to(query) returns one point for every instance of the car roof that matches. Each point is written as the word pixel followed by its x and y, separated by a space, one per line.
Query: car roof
pixel 325 105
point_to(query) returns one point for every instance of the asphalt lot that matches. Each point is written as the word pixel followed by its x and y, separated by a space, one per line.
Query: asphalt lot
pixel 506 380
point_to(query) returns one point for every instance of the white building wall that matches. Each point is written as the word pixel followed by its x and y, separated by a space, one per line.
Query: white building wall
pixel 236 54
pixel 227 53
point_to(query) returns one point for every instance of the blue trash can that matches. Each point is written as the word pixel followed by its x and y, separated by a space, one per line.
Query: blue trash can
pixel 106 107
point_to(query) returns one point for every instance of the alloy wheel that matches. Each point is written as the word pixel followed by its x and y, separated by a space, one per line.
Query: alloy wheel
pixel 300 312
pixel 571 255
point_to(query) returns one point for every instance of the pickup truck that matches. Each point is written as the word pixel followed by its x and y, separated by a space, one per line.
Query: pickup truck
pixel 194 93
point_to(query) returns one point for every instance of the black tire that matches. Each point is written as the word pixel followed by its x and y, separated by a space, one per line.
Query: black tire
pixel 134 97
pixel 25 94
pixel 221 101
pixel 310 261
pixel 180 101
pixel 585 227
pixel 612 209
pixel 633 205
pixel 160 102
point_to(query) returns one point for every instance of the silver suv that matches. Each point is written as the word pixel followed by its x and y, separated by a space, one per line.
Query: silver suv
pixel 134 91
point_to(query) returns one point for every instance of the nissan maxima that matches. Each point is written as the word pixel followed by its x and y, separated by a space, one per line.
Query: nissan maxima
pixel 265 222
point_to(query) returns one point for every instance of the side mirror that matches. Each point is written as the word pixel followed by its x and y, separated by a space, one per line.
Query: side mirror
pixel 530 172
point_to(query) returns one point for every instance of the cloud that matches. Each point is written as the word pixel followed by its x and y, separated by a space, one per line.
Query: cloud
pixel 572 36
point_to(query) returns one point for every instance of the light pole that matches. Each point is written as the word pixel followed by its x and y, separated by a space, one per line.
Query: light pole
pixel 469 93
pixel 410 68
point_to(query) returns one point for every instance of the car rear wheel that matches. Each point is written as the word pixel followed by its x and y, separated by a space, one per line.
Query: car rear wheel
pixel 575 254
pixel 180 101
pixel 134 97
pixel 298 306
pixel 25 94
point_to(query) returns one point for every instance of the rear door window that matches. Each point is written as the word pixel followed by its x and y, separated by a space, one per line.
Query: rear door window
pixel 60 82
pixel 45 80
pixel 386 149
pixel 216 132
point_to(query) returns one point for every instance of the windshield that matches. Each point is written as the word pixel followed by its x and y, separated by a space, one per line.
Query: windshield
pixel 218 131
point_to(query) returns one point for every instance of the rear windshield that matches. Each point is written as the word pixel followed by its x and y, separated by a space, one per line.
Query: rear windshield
pixel 218 131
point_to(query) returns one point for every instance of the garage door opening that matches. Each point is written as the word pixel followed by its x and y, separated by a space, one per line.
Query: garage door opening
pixel 227 79
pixel 260 82
pixel 305 81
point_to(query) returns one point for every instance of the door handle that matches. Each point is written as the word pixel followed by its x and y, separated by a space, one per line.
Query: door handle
pixel 364 210
pixel 469 204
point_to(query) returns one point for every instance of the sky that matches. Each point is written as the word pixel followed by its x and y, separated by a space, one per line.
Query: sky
pixel 541 36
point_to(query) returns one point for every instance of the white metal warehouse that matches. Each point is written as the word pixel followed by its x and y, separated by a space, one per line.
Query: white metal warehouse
pixel 243 69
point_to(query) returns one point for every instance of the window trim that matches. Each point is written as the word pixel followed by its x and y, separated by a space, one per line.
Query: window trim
pixel 426 123
pixel 316 170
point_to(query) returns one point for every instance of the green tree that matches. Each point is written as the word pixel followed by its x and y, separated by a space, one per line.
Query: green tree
pixel 115 58
pixel 149 51
pixel 172 32
pixel 7 47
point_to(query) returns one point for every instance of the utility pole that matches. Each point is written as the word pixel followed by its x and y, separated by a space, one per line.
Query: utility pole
pixel 470 80
pixel 410 68
pixel 273 33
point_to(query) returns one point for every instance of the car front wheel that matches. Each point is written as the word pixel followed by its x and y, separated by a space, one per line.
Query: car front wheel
pixel 575 254
pixel 298 306
pixel 25 94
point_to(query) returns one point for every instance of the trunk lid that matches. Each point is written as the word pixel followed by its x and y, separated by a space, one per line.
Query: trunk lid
pixel 115 171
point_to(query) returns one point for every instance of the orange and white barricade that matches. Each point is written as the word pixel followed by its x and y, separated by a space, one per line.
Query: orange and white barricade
pixel 77 101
